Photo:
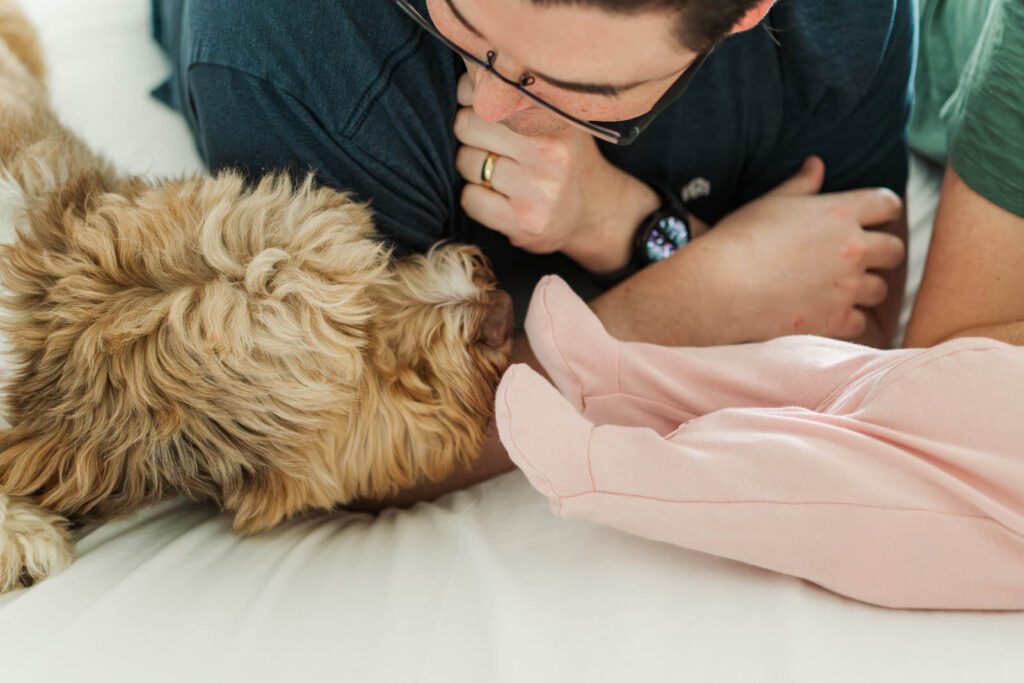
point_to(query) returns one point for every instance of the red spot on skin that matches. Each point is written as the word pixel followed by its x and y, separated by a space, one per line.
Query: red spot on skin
pixel 799 323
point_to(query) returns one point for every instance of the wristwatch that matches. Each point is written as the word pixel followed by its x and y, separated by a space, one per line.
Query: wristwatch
pixel 662 233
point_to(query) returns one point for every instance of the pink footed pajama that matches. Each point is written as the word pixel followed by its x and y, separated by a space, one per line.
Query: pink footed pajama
pixel 892 477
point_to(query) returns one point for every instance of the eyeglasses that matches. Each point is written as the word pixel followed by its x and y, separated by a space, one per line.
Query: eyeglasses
pixel 620 133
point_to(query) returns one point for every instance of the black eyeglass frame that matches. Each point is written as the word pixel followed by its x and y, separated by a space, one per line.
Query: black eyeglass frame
pixel 602 131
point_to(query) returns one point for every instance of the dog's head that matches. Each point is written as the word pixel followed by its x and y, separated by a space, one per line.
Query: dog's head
pixel 259 347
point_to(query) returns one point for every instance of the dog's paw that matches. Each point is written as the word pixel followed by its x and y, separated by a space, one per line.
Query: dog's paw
pixel 34 543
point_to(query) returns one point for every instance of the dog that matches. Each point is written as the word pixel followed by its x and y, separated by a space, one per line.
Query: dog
pixel 255 345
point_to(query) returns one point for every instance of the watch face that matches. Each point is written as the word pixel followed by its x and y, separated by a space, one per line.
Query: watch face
pixel 665 238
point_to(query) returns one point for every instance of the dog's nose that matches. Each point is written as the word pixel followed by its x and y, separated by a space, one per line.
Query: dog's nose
pixel 498 321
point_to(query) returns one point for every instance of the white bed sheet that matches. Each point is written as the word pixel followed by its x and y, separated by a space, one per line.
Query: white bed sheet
pixel 484 585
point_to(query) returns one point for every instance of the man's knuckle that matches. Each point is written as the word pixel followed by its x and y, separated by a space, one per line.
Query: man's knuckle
pixel 856 248
pixel 845 289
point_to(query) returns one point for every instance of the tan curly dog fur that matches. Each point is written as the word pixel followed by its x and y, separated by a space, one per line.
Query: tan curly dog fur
pixel 253 346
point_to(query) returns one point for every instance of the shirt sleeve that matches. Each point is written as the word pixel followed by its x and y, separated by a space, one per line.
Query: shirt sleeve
pixel 243 122
pixel 987 112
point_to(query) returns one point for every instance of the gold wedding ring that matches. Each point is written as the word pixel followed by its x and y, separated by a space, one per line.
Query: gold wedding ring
pixel 487 172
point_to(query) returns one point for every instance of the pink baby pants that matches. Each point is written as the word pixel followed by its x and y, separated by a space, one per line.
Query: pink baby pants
pixel 892 477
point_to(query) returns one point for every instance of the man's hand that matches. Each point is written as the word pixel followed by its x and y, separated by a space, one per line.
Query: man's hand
pixel 792 262
pixel 551 192
pixel 806 263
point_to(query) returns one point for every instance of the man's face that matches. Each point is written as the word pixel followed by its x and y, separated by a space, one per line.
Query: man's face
pixel 590 63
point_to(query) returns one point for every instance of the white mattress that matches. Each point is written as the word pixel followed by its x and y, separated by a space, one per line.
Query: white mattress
pixel 484 585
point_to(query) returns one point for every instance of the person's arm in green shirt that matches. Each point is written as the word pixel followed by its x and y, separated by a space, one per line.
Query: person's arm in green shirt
pixel 974 280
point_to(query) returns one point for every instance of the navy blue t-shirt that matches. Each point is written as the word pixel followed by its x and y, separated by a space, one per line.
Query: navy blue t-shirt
pixel 357 92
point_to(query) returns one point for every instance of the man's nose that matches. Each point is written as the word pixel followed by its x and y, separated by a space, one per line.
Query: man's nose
pixel 494 100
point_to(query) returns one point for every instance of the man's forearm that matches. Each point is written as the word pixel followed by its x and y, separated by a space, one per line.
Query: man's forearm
pixel 682 301
pixel 696 298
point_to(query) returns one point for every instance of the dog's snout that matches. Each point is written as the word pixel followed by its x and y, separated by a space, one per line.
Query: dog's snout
pixel 498 320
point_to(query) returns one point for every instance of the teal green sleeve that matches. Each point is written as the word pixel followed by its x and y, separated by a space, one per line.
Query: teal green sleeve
pixel 986 115
pixel 948 34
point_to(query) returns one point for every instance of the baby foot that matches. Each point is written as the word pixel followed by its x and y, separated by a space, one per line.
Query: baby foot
pixel 544 435
pixel 571 343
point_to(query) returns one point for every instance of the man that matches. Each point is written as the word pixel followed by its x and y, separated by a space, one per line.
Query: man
pixel 455 116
